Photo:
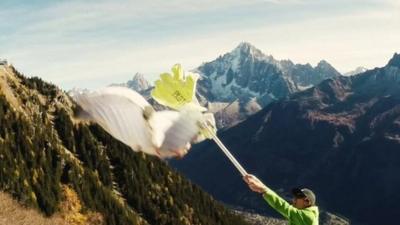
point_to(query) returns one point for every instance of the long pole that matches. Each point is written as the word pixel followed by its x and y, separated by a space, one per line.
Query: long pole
pixel 225 150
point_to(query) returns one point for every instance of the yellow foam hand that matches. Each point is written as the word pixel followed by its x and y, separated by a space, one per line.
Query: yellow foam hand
pixel 175 90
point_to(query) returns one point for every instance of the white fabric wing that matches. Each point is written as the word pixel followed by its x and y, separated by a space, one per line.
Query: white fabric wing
pixel 174 131
pixel 120 112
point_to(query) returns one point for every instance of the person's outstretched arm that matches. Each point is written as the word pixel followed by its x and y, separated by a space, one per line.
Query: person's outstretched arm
pixel 273 199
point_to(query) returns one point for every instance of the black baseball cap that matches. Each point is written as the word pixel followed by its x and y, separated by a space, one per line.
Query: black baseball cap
pixel 304 193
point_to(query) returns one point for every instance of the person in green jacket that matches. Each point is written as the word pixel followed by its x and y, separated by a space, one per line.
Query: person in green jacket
pixel 303 210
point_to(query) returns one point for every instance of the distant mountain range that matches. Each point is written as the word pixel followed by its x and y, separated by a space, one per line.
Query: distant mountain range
pixel 341 138
pixel 241 82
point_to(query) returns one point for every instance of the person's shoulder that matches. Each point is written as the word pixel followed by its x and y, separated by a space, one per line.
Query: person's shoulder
pixel 313 208
pixel 309 215
pixel 311 211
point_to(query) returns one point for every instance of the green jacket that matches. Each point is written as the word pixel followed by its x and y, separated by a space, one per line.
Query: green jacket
pixel 307 216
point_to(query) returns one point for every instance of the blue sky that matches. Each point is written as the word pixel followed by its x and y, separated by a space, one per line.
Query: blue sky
pixel 93 43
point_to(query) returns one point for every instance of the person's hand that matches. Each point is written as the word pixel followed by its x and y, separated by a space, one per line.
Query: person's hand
pixel 254 183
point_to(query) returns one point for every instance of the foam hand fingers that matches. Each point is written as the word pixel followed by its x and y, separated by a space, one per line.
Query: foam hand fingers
pixel 174 90
pixel 177 72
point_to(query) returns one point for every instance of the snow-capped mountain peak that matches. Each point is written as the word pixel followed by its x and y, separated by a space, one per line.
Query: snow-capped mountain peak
pixel 246 50
pixel 138 82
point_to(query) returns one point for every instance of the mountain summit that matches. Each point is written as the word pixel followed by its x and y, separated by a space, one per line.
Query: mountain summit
pixel 246 49
pixel 138 83
pixel 395 61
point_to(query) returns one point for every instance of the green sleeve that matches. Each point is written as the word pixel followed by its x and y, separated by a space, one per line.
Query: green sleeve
pixel 279 204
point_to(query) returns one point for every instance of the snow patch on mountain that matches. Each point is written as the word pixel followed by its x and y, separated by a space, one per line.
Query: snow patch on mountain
pixel 356 71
